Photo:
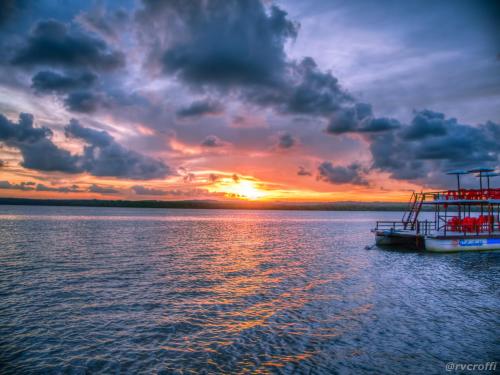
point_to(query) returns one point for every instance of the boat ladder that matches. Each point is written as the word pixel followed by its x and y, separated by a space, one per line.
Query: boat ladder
pixel 410 217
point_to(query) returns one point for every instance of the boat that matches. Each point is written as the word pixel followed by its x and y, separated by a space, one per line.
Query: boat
pixel 463 219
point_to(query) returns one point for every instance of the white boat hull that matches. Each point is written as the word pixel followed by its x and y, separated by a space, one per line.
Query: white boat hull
pixel 445 245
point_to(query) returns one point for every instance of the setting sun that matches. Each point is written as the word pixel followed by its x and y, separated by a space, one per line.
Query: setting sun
pixel 245 190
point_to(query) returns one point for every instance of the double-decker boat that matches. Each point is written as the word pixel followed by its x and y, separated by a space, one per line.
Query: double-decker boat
pixel 464 219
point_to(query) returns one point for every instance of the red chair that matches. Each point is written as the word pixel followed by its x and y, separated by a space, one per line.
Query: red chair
pixel 468 224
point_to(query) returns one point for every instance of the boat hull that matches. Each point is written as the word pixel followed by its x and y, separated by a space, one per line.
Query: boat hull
pixel 447 245
pixel 398 239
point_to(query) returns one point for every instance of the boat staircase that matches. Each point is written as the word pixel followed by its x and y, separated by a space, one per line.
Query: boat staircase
pixel 411 215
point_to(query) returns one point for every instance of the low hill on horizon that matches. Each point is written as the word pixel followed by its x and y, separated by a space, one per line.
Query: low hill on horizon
pixel 213 204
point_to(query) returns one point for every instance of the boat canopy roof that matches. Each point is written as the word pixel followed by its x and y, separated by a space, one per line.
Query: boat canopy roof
pixel 481 170
pixel 457 171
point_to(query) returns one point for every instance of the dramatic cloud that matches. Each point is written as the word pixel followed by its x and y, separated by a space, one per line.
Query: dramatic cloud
pixel 427 124
pixel 359 119
pixel 102 189
pixel 142 190
pixel 51 43
pixel 84 101
pixel 227 85
pixel 200 108
pixel 224 42
pixel 352 174
pixel 103 156
pixel 75 89
pixel 305 89
pixel 239 46
pixel 434 143
pixel 37 149
pixel 52 82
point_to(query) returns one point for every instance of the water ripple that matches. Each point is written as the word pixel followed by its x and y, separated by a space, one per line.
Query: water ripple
pixel 85 290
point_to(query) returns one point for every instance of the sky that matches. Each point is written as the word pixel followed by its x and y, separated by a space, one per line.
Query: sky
pixel 293 100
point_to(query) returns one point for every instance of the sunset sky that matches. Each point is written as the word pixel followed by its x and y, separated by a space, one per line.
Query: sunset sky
pixel 296 100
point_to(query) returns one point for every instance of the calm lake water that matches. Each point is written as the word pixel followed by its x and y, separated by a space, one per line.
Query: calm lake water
pixel 116 290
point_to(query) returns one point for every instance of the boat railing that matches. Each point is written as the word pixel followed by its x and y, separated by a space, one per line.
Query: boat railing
pixel 457 195
pixel 422 227
pixel 465 194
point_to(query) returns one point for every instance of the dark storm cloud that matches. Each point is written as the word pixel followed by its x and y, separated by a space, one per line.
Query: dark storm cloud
pixel 391 154
pixel 101 189
pixel 427 124
pixel 359 119
pixel 239 46
pixel 69 60
pixel 352 174
pixel 200 54
pixel 380 124
pixel 212 141
pixel 224 42
pixel 51 43
pixel 200 108
pixel 305 89
pixel 434 143
pixel 103 156
pixel 84 101
pixel 303 172
pixel 142 190
pixel 53 82
pixel 230 50
pixel 35 145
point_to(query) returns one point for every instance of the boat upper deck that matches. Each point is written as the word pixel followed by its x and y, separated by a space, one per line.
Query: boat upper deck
pixel 462 196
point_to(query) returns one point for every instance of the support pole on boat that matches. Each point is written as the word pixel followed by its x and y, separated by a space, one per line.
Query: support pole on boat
pixel 481 172
pixel 458 173
pixel 489 175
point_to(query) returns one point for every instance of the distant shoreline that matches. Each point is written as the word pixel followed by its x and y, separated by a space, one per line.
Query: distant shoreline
pixel 208 204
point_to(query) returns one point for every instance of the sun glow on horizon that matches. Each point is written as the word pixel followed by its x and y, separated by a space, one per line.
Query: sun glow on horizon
pixel 245 189
pixel 242 189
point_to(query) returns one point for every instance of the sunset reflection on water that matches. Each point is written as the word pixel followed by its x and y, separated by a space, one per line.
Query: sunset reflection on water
pixel 171 291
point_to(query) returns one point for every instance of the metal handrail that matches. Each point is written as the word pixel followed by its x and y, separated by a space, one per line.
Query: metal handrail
pixel 420 227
